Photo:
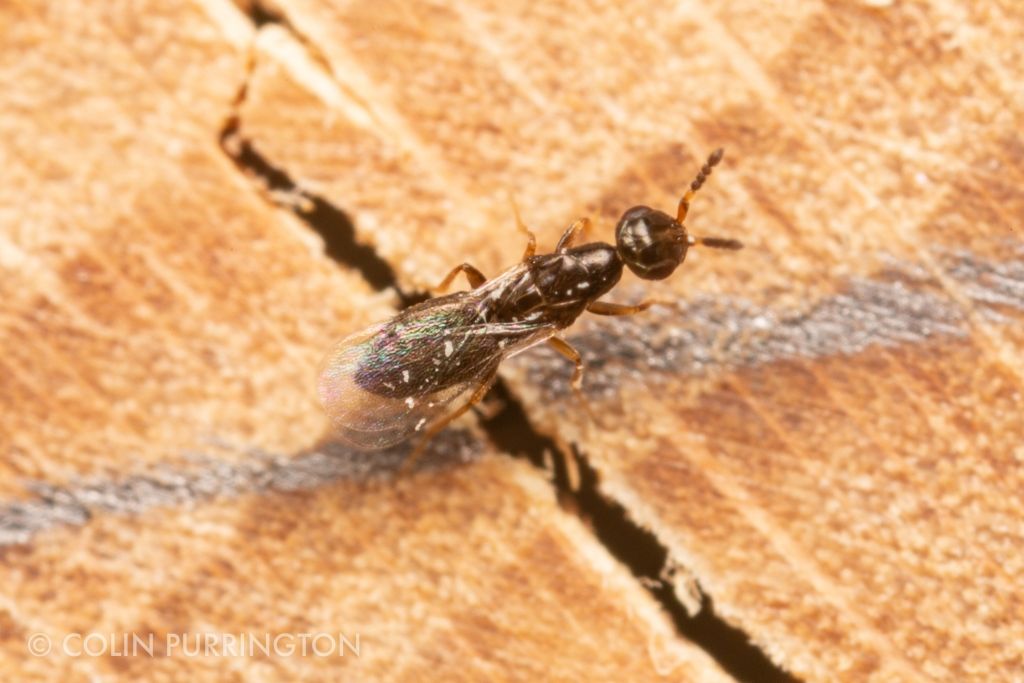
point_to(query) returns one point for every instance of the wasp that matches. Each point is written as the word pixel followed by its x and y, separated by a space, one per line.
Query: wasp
pixel 415 373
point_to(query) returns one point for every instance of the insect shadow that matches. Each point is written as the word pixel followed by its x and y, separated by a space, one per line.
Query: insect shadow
pixel 335 459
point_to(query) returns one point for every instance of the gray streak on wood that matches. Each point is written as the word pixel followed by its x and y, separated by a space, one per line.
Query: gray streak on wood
pixel 209 479
pixel 901 305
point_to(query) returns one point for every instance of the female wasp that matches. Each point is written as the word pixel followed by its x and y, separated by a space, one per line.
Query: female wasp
pixel 418 371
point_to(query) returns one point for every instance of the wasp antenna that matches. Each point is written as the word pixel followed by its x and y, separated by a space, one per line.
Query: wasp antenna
pixel 715 242
pixel 721 243
pixel 705 170
pixel 684 204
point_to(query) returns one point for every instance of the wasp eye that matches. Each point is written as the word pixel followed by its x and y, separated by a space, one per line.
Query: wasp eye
pixel 650 242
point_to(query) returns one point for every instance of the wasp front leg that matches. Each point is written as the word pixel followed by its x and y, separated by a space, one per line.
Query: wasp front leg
pixel 608 308
pixel 572 234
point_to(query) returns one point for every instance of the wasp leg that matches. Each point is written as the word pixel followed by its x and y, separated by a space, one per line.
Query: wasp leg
pixel 572 233
pixel 531 239
pixel 608 308
pixel 436 428
pixel 489 409
pixel 566 349
pixel 475 277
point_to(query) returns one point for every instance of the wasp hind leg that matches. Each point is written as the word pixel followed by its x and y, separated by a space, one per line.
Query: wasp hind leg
pixel 438 426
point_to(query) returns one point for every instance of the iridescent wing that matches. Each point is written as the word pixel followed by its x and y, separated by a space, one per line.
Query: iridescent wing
pixel 390 381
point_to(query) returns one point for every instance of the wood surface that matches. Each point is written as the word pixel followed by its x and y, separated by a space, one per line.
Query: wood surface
pixel 821 434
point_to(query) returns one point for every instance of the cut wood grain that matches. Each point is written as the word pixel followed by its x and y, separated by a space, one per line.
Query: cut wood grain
pixel 458 575
pixel 162 470
pixel 827 429
pixel 151 298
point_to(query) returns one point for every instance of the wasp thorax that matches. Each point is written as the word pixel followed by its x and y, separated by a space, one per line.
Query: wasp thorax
pixel 650 242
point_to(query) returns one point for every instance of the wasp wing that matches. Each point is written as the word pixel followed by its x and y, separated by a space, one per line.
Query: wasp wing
pixel 386 383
